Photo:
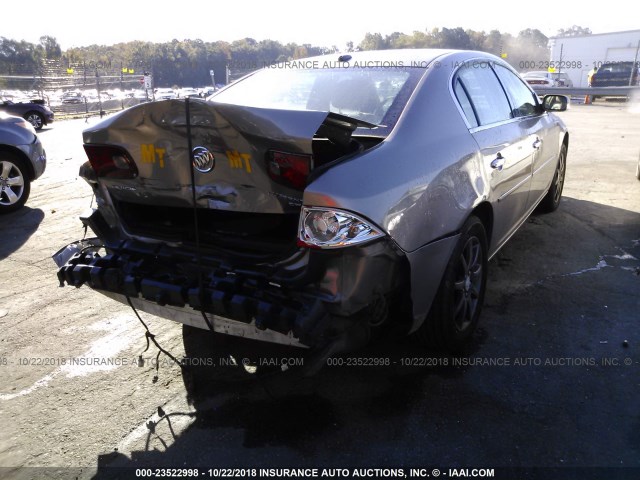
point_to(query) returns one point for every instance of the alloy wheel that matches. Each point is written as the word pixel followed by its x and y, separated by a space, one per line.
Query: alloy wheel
pixel 35 120
pixel 468 283
pixel 11 183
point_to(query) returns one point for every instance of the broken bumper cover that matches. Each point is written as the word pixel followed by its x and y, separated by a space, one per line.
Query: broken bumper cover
pixel 311 301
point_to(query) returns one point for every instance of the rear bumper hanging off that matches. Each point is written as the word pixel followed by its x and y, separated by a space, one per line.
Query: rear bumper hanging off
pixel 311 303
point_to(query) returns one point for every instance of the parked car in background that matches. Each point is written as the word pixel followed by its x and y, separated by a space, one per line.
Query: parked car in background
pixel 207 91
pixel 188 93
pixel 92 96
pixel 22 160
pixel 72 97
pixel 164 94
pixel 35 112
pixel 326 203
pixel 547 79
pixel 141 94
pixel 616 74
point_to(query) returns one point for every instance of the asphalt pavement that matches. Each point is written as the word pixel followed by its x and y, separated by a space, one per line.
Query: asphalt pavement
pixel 549 389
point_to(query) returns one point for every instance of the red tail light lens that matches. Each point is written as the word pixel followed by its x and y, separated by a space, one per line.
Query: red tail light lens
pixel 290 169
pixel 112 162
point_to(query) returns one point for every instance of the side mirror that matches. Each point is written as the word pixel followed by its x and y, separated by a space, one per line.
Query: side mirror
pixel 555 103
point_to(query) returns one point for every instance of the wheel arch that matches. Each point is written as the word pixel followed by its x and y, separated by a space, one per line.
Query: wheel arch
pixel 21 155
pixel 434 258
pixel 484 211
pixel 434 328
pixel 40 114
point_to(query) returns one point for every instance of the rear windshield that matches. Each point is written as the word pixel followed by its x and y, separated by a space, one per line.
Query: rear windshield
pixel 375 95
pixel 616 68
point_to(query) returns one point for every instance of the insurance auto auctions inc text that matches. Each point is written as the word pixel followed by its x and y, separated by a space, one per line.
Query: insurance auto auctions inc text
pixel 371 472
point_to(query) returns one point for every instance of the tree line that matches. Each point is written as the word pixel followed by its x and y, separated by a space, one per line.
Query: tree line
pixel 189 62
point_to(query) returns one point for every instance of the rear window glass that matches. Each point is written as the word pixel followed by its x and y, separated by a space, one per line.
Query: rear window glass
pixel 375 95
pixel 616 68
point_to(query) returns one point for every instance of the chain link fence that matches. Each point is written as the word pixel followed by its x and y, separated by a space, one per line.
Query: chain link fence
pixel 84 88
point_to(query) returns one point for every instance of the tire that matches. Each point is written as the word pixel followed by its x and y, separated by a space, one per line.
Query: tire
pixel 455 311
pixel 15 184
pixel 638 170
pixel 551 200
pixel 35 119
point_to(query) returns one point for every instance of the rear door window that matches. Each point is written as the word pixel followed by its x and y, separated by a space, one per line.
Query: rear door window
pixel 465 103
pixel 485 92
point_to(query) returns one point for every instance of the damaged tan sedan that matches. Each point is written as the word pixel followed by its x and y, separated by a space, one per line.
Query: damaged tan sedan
pixel 313 203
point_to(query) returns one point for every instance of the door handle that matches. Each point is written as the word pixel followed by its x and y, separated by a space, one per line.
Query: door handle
pixel 537 143
pixel 498 162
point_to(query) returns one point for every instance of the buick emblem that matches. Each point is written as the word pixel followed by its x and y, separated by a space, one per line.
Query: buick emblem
pixel 203 160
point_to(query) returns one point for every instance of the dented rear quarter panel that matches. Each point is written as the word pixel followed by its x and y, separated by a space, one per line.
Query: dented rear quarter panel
pixel 421 182
pixel 419 185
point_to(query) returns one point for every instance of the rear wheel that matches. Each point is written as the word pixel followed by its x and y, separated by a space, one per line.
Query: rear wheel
pixel 35 119
pixel 551 200
pixel 14 183
pixel 456 309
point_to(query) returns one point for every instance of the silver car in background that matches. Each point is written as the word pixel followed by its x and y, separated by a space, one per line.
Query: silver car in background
pixel 318 201
pixel 547 79
pixel 22 160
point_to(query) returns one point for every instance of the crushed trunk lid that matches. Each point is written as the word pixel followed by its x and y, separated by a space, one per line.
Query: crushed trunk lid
pixel 244 158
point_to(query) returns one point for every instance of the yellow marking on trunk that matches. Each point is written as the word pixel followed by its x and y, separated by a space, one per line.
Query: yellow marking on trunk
pixel 239 160
pixel 247 158
pixel 160 154
pixel 149 153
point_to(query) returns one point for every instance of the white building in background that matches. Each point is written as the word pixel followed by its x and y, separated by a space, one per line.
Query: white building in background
pixel 577 55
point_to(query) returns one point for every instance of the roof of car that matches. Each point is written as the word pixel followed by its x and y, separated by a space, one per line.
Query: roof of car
pixel 373 58
pixel 536 72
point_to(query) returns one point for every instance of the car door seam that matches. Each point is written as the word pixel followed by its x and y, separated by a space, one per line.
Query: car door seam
pixel 515 187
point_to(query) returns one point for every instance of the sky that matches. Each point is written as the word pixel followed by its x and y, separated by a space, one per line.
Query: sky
pixel 79 23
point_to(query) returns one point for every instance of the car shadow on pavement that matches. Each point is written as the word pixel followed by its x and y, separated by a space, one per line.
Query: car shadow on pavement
pixel 280 410
pixel 393 403
pixel 17 229
pixel 45 129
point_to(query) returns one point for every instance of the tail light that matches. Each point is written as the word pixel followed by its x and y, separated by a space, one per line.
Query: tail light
pixel 112 162
pixel 331 228
pixel 290 169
